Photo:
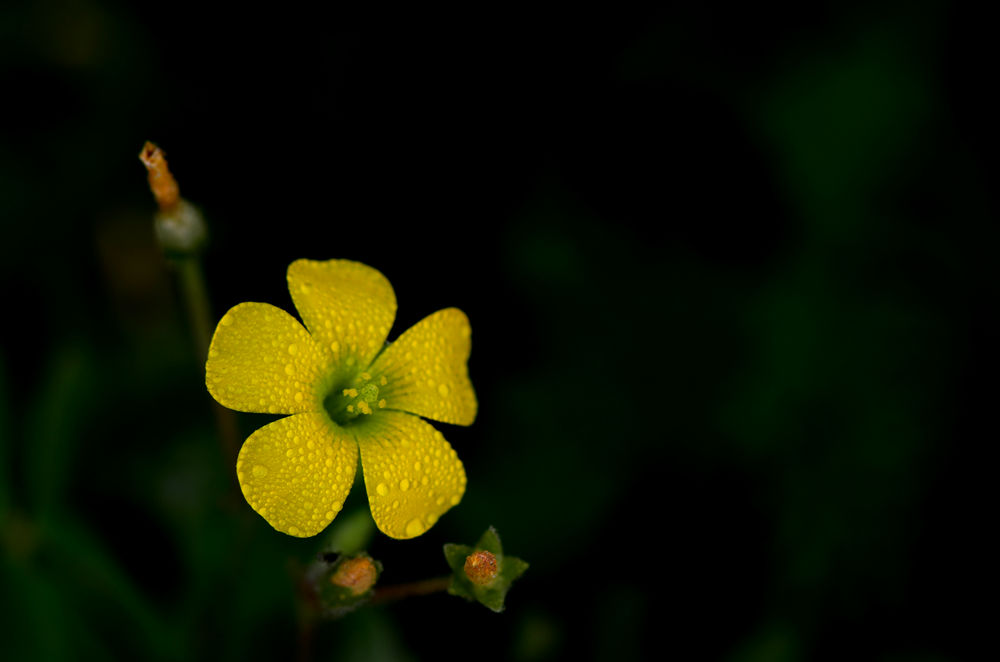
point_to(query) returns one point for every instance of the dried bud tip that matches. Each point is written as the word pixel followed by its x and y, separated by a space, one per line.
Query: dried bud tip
pixel 481 567
pixel 161 182
pixel 356 574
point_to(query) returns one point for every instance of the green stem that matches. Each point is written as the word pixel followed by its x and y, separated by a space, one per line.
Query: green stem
pixel 192 285
pixel 195 295
pixel 386 594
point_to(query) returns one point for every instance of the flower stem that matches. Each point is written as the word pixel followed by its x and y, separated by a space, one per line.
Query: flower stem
pixel 195 295
pixel 191 280
pixel 181 232
pixel 386 594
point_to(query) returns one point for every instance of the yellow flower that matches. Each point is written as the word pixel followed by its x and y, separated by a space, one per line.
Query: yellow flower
pixel 347 393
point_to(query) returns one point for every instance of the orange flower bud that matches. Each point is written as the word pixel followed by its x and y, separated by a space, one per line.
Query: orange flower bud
pixel 356 574
pixel 481 567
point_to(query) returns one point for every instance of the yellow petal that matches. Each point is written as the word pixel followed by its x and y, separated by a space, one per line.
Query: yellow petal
pixel 412 474
pixel 297 471
pixel 262 360
pixel 426 369
pixel 347 306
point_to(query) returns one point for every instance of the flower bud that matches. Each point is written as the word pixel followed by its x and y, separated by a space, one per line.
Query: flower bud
pixel 180 227
pixel 161 182
pixel 481 567
pixel 356 574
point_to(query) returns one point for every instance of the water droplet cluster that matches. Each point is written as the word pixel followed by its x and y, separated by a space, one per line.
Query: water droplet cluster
pixel 262 360
pixel 347 306
pixel 296 472
pixel 427 369
pixel 412 473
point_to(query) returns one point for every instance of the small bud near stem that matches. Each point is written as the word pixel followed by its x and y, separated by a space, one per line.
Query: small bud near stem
pixel 481 568
pixel 356 575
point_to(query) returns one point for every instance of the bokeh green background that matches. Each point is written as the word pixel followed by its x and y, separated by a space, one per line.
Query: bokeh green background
pixel 732 284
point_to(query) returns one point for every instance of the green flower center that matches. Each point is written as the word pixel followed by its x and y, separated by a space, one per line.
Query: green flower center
pixel 360 398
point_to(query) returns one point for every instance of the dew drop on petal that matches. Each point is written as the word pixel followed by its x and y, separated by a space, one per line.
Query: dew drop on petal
pixel 382 489
pixel 415 527
pixel 259 471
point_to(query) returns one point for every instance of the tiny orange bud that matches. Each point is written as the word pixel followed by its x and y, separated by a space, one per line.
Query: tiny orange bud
pixel 356 574
pixel 161 182
pixel 481 567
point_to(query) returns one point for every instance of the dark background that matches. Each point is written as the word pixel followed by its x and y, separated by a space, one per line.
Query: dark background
pixel 732 284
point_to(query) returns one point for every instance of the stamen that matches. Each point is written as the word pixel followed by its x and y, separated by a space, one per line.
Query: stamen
pixel 362 398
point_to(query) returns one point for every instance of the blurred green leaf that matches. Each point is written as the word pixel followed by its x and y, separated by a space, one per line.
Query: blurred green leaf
pixel 774 642
pixel 6 436
pixel 90 579
pixel 871 101
pixel 369 634
pixel 54 425
pixel 351 532
pixel 39 624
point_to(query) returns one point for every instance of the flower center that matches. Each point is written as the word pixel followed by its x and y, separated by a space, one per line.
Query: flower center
pixel 359 398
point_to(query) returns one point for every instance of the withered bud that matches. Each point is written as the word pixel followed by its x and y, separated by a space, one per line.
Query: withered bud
pixel 161 182
pixel 355 574
pixel 481 567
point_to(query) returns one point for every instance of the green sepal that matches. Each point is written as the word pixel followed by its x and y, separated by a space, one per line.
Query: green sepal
pixel 335 601
pixel 490 542
pixel 512 568
pixel 493 594
pixel 456 555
